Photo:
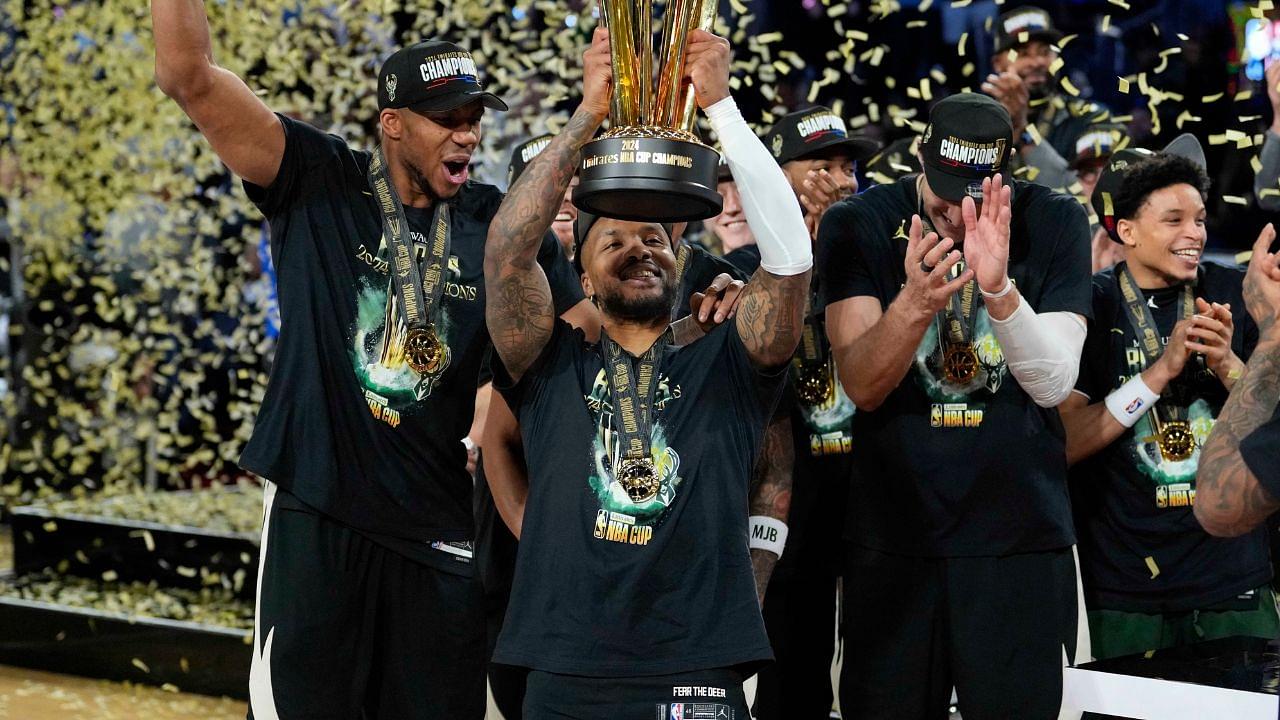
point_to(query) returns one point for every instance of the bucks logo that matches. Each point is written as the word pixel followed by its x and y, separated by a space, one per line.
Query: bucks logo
pixel 392 81
pixel 777 146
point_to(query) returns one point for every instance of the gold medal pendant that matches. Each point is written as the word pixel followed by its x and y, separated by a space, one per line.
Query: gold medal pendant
pixel 960 363
pixel 813 386
pixel 639 477
pixel 423 350
pixel 1177 442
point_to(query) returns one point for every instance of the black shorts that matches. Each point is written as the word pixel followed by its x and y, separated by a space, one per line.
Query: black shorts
pixel 348 628
pixel 997 629
pixel 699 695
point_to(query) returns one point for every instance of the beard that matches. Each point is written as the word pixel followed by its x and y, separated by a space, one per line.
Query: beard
pixel 649 308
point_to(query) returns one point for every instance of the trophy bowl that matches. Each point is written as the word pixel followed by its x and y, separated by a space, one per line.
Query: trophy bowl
pixel 650 166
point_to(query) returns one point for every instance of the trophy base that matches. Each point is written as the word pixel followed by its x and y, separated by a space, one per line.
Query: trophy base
pixel 648 179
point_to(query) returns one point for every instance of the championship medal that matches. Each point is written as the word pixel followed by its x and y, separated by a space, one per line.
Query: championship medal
pixel 1177 442
pixel 639 477
pixel 813 386
pixel 960 364
pixel 423 350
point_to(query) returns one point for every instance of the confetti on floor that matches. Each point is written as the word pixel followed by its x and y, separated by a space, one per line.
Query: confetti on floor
pixel 34 695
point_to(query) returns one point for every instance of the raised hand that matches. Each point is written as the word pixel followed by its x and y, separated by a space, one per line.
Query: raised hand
pixel 1262 286
pixel 1210 334
pixel 1172 362
pixel 1009 90
pixel 597 75
pixel 707 67
pixel 928 265
pixel 820 191
pixel 986 234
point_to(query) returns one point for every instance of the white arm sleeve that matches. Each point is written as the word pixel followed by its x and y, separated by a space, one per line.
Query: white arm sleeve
pixel 1043 351
pixel 772 211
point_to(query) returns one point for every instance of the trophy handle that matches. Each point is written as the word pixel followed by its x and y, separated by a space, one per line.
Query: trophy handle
pixel 675 37
pixel 624 103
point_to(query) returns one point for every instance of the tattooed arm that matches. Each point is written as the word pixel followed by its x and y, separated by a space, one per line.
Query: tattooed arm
pixel 771 491
pixel 771 309
pixel 1230 501
pixel 519 310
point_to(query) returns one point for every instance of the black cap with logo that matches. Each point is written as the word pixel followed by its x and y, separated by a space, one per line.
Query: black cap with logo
pixel 1111 179
pixel 1022 25
pixel 432 76
pixel 969 138
pixel 800 134
pixel 523 154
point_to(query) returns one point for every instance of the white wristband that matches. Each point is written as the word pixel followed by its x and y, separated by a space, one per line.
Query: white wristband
pixel 767 534
pixel 1008 288
pixel 1131 401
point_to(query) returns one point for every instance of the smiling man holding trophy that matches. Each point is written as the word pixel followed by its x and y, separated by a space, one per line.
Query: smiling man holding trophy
pixel 634 594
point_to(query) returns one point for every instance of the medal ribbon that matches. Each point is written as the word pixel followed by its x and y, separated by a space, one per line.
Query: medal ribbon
pixel 633 384
pixel 961 318
pixel 419 289
pixel 682 260
pixel 1144 323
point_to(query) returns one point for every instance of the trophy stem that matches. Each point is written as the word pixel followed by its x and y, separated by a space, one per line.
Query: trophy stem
pixel 644 46
pixel 620 20
pixel 706 18
pixel 675 37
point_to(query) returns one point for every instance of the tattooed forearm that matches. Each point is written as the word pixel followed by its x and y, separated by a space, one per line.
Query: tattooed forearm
pixel 771 491
pixel 519 309
pixel 770 316
pixel 1229 499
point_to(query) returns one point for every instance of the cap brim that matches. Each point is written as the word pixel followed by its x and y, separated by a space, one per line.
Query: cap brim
pixel 453 101
pixel 953 188
pixel 1048 35
pixel 1186 145
pixel 859 148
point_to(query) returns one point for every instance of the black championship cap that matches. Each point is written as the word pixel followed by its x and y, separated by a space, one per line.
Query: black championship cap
pixel 432 76
pixel 969 138
pixel 806 132
pixel 523 154
pixel 1021 26
pixel 1112 176
pixel 1099 142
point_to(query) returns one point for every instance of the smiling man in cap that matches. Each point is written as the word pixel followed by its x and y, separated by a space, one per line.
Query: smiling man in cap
pixel 1046 122
pixel 1168 341
pixel 955 304
pixel 365 571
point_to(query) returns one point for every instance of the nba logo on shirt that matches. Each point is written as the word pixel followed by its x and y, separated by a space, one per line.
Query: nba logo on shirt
pixel 677 711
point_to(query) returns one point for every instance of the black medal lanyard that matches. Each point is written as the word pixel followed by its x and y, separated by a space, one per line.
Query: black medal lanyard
pixel 1173 431
pixel 418 288
pixel 633 386
pixel 814 384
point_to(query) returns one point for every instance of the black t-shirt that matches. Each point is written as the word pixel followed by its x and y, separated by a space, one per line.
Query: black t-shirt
pixel 345 425
pixel 1141 548
pixel 941 470
pixel 745 258
pixel 607 587
pixel 1261 452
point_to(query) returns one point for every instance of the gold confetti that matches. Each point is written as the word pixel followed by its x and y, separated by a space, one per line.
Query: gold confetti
pixel 1235 200
pixel 137 662
pixel 1123 85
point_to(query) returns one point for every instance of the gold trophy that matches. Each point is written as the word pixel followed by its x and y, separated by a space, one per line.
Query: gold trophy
pixel 650 165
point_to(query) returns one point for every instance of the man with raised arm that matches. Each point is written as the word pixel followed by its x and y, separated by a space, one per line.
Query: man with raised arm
pixel 956 345
pixel 633 587
pixel 1239 475
pixel 365 560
